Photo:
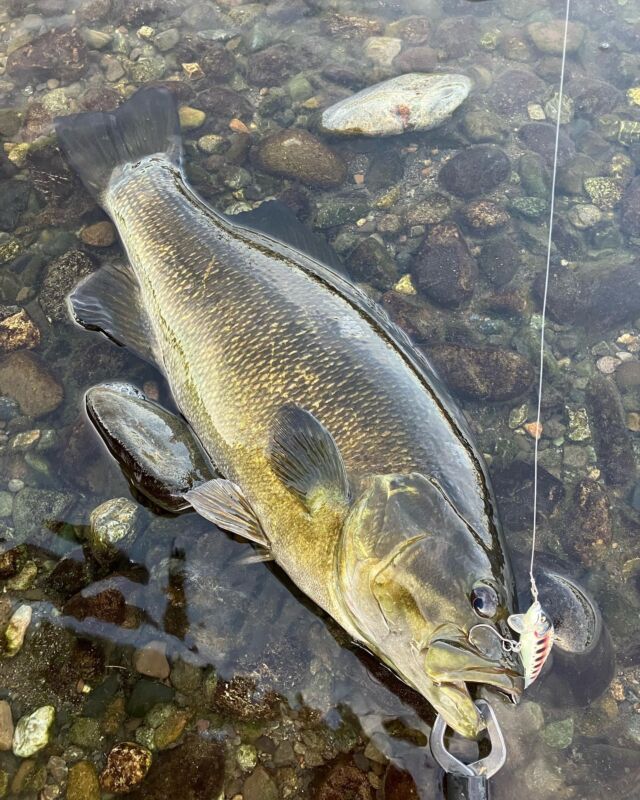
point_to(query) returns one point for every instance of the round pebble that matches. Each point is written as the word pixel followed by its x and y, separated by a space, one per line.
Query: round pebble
pixel 15 485
pixel 32 732
pixel 608 364
pixel 152 661
pixel 127 766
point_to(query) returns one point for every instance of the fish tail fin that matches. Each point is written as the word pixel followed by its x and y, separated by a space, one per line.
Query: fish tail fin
pixel 95 143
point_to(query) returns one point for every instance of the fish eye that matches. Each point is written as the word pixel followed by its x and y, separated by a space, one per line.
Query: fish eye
pixel 484 600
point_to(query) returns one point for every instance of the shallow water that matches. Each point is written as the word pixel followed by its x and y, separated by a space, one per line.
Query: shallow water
pixel 267 698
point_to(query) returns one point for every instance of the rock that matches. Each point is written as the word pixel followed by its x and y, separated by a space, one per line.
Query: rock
pixel 514 90
pixel 86 732
pixel 16 630
pixel 548 37
pixel 529 207
pixel 416 59
pixel 193 770
pixel 476 170
pixel 17 330
pixel 6 726
pixel 372 263
pixel 152 661
pixel 399 785
pixel 483 126
pixel 482 373
pixel 96 40
pixel 331 213
pixel 112 529
pixel 382 49
pixel 82 782
pixel 613 444
pixel 170 730
pixel 56 54
pixel 435 208
pixel 630 218
pixel 271 67
pixel 593 98
pixel 445 269
pixel 259 786
pixel 513 484
pixel 15 196
pixel 568 297
pixel 35 509
pixel 127 766
pixel 225 103
pixel 583 216
pixel 299 155
pixel 628 375
pixel 590 525
pixel 107 606
pixel 191 118
pixel 167 40
pixel 604 192
pixel 541 137
pixel 558 735
pixel 482 217
pixel 534 176
pixel 457 37
pixel 343 780
pixel 613 295
pixel 25 378
pixel 145 695
pixel 412 102
pixel 500 259
pixel 61 277
pixel 33 731
pixel 100 234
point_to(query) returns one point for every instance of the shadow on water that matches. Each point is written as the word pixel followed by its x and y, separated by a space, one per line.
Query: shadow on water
pixel 234 680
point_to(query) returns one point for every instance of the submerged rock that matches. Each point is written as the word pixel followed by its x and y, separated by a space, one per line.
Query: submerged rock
pixel 541 138
pixel 33 731
pixel 500 259
pixel 16 630
pixel 372 263
pixel 60 278
pixel 107 606
pixel 112 529
pixel 548 37
pixel 299 155
pixel 613 444
pixel 630 219
pixel 17 330
pixel 482 373
pixel 515 89
pixel 407 103
pixel 83 783
pixel 475 170
pixel 445 269
pixel 127 766
pixel 57 54
pixel 25 378
pixel 6 726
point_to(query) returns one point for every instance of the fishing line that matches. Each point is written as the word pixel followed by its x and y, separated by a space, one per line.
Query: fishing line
pixel 534 588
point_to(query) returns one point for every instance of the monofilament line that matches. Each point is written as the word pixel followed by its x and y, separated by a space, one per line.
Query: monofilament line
pixel 534 588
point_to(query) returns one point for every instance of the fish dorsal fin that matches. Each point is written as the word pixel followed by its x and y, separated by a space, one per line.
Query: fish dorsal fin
pixel 109 301
pixel 277 221
pixel 306 458
pixel 223 503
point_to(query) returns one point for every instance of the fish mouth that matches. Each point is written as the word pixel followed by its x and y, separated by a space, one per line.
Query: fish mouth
pixel 452 662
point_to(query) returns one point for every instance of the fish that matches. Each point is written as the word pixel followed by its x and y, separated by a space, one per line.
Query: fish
pixel 337 450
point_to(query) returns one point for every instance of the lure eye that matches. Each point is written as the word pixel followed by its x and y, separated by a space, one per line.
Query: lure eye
pixel 484 600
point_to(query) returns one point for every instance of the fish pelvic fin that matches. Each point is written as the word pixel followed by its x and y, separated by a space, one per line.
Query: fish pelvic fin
pixel 95 143
pixel 305 457
pixel 223 503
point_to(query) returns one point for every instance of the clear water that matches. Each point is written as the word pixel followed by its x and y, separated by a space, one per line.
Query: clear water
pixel 285 705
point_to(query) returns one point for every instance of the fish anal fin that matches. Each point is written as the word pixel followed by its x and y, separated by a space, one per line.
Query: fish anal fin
pixel 305 457
pixel 223 503
pixel 109 301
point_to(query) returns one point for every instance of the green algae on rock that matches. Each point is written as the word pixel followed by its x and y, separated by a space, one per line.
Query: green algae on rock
pixel 412 102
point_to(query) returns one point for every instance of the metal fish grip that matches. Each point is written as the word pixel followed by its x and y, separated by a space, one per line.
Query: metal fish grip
pixel 469 781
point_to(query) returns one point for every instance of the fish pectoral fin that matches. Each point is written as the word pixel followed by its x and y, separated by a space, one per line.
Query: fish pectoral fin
pixel 305 457
pixel 223 503
pixel 109 301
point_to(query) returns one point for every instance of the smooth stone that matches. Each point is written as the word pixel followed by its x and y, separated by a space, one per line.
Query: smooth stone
pixel 382 49
pixel 584 215
pixel 55 54
pixel 82 782
pixel 112 529
pixel 260 786
pixel 16 630
pixel 6 726
pixel 167 40
pixel 299 155
pixel 541 137
pixel 32 732
pixel 548 37
pixel 100 234
pixel 514 90
pixel 372 263
pixel 445 269
pixel 412 102
pixel 476 170
pixel 151 660
pixel 127 766
pixel 26 379
pixel 106 606
pixel 191 118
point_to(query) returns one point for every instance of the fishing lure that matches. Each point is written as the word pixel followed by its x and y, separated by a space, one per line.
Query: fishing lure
pixel 536 639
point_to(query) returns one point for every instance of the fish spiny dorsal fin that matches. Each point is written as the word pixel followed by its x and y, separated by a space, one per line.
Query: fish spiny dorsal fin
pixel 305 457
pixel 223 503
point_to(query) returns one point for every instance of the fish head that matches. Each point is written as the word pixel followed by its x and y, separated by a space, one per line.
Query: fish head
pixel 428 594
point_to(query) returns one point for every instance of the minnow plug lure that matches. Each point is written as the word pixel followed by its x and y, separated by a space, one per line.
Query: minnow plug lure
pixel 536 640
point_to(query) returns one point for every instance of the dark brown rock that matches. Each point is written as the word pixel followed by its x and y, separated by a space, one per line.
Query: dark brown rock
pixel 513 484
pixel 241 697
pixel 457 36
pixel 299 155
pixel 107 606
pixel 614 295
pixel 445 269
pixel 567 299
pixel 500 259
pixel 590 531
pixel 592 97
pixel 372 263
pixel 483 217
pixel 344 780
pixel 399 785
pixel 10 561
pixel 26 379
pixel 628 375
pixel 474 171
pixel 514 89
pixel 270 67
pixel 541 138
pixel 416 59
pixel 613 444
pixel 56 54
pixel 100 98
pixel 218 62
pixel 225 103
pixel 482 373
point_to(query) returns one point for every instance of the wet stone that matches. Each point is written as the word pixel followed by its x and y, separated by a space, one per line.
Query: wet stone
pixel 6 726
pixel 344 779
pixel 260 786
pixel 628 375
pixel 56 54
pixel 499 260
pixel 435 208
pixel 483 126
pixel 514 90
pixel 541 136
pixel 372 263
pixel 127 766
pixel 605 193
pixel 445 270
pixel 483 217
pixel 416 59
pixel 271 67
pixel 145 695
pixel 613 444
pixel 61 277
pixel 299 155
pixel 476 170
pixel 112 529
pixel 548 37
pixel 100 234
pixel 406 103
pixel 85 732
pixel 514 487
pixel 82 782
pixel 590 528
pixel 15 196
pixel 107 606
pixel 630 219
pixel 482 373
pixel 16 630
pixel 17 330
pixel 33 731
pixel 152 661
pixel 37 509
pixel 382 49
pixel 25 378
pixel 331 213
pixel 614 295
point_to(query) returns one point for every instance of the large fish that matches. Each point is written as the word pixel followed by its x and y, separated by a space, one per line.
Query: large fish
pixel 340 454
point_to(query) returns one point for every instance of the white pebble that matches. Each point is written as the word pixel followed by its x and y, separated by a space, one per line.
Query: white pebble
pixel 32 732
